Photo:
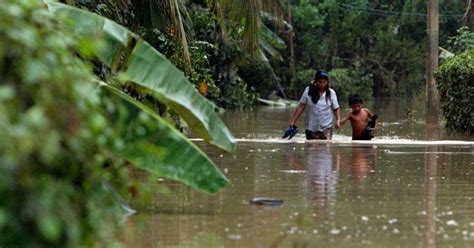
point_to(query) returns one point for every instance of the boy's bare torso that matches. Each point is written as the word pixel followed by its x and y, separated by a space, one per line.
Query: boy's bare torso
pixel 359 122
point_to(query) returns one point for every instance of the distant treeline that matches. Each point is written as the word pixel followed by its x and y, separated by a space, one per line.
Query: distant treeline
pixel 236 51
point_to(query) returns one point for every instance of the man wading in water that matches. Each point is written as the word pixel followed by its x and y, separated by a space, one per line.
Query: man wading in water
pixel 320 102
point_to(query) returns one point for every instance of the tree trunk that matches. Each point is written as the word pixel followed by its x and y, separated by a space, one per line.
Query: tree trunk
pixel 377 85
pixel 432 58
pixel 469 15
pixel 291 35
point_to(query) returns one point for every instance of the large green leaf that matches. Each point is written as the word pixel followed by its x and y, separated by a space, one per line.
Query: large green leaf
pixel 272 38
pixel 151 70
pixel 146 67
pixel 270 50
pixel 166 152
pixel 87 24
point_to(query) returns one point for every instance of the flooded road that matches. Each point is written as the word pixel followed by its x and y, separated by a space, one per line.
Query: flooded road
pixel 398 191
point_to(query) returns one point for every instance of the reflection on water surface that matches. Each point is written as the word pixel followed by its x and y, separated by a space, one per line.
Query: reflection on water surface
pixel 335 194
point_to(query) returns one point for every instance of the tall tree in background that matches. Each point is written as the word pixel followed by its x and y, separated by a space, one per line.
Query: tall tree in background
pixel 469 15
pixel 432 58
pixel 291 35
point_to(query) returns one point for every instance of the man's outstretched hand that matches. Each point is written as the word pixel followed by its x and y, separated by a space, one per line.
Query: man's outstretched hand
pixel 290 132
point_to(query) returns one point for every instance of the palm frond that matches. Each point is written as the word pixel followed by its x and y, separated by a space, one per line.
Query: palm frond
pixel 177 12
pixel 169 16
pixel 245 15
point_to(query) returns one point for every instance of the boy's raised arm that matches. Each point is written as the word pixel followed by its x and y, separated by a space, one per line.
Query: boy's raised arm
pixel 373 122
pixel 373 117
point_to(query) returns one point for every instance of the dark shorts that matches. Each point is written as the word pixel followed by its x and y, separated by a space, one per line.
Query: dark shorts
pixel 366 135
pixel 324 135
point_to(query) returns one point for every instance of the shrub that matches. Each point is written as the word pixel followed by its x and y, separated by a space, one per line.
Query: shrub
pixel 455 79
pixel 258 74
pixel 464 40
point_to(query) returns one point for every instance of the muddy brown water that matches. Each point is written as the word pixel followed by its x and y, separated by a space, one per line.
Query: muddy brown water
pixel 413 186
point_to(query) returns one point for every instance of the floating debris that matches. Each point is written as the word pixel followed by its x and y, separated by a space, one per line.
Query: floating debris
pixel 293 171
pixel 234 236
pixel 452 223
pixel 266 201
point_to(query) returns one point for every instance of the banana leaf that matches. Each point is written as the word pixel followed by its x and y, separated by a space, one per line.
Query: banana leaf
pixel 272 38
pixel 155 150
pixel 135 61
pixel 269 49
pixel 151 70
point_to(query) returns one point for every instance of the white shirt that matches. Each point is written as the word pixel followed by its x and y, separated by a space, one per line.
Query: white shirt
pixel 319 116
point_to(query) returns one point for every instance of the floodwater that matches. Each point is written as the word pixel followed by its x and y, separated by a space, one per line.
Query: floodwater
pixel 413 186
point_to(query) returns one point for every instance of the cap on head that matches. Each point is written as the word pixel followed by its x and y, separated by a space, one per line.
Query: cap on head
pixel 321 74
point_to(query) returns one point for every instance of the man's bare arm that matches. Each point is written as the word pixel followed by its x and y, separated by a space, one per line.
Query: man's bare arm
pixel 298 111
pixel 346 117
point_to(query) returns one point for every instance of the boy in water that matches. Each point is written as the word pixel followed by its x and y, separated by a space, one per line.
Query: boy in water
pixel 363 122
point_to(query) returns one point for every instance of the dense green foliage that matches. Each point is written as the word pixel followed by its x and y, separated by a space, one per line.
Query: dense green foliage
pixel 464 40
pixel 55 176
pixel 222 57
pixel 215 59
pixel 69 139
pixel 455 79
pixel 387 59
